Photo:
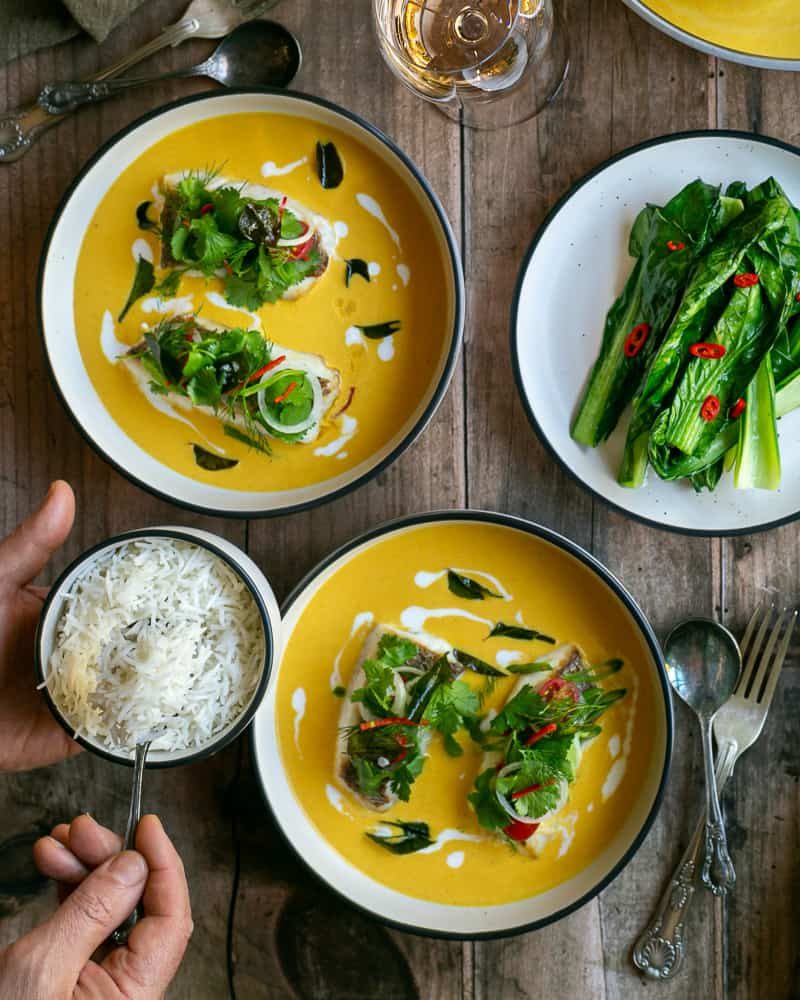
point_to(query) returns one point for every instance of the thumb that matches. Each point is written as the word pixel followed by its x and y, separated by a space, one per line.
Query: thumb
pixel 25 553
pixel 91 912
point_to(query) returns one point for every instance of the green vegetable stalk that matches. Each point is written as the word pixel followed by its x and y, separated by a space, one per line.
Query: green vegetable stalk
pixel 758 459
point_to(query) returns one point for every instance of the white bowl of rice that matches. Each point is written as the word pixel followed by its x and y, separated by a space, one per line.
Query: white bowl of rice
pixel 164 633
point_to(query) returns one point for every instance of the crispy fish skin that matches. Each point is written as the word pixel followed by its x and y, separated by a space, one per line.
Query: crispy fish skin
pixel 329 378
pixel 350 715
pixel 326 234
pixel 565 660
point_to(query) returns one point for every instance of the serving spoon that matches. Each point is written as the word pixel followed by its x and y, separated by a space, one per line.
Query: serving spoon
pixel 256 54
pixel 120 935
pixel 703 665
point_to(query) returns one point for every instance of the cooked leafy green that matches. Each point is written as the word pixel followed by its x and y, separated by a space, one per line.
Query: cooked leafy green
pixel 211 461
pixel 329 165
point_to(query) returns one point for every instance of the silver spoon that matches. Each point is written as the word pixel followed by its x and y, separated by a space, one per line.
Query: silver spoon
pixel 120 935
pixel 256 54
pixel 703 664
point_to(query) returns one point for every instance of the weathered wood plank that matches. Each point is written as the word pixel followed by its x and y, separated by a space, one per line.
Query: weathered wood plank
pixel 514 178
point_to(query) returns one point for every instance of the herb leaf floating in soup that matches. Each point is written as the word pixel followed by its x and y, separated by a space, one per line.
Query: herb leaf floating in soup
pixel 143 220
pixel 519 632
pixel 262 245
pixel 257 389
pixel 401 691
pixel 475 664
pixel 534 747
pixel 377 331
pixel 143 281
pixel 329 165
pixel 410 837
pixel 212 462
pixel 466 587
pixel 355 265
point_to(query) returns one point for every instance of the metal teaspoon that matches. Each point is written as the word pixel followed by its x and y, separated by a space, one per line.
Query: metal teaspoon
pixel 703 664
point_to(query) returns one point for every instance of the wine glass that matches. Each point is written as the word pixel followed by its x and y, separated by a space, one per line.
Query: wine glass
pixel 486 63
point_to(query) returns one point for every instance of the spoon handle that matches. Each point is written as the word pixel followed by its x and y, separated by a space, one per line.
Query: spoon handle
pixel 120 935
pixel 60 98
pixel 718 873
pixel 659 951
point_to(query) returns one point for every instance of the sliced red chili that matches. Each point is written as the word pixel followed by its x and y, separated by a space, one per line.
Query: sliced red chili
pixel 524 791
pixel 708 350
pixel 557 687
pixel 285 395
pixel 208 207
pixel 635 340
pixel 673 246
pixel 797 297
pixel 302 252
pixel 541 733
pixel 517 830
pixel 227 266
pixel 267 368
pixel 400 757
pixel 281 209
pixel 347 402
pixel 710 408
pixel 737 409
pixel 393 720
pixel 745 280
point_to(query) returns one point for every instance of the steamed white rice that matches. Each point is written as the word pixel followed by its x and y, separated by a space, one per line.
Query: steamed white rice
pixel 159 634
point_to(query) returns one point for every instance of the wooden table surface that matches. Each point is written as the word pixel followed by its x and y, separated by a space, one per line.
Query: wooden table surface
pixel 263 927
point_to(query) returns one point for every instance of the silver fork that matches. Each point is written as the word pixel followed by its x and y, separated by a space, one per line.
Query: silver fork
pixel 19 129
pixel 660 951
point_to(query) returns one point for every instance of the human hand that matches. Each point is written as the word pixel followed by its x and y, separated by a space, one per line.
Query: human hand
pixel 30 735
pixel 100 888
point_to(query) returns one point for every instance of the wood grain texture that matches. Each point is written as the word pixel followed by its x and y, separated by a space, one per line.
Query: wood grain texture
pixel 290 938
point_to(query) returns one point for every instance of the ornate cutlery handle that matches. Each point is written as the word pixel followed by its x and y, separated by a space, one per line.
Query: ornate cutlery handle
pixel 659 952
pixel 19 130
pixel 718 873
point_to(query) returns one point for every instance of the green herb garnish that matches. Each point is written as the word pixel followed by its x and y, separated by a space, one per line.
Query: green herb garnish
pixel 355 265
pixel 211 462
pixel 409 838
pixel 448 707
pixel 339 691
pixel 143 281
pixel 377 331
pixel 538 666
pixel 475 664
pixel 329 165
pixel 519 632
pixel 466 587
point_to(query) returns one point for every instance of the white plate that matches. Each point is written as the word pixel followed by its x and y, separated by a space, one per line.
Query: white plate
pixel 573 271
pixel 422 916
pixel 56 304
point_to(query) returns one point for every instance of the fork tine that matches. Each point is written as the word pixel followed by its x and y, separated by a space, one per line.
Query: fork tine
pixel 747 638
pixel 754 648
pixel 766 656
pixel 777 663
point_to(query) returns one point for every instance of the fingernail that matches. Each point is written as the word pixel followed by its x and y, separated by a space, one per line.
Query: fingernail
pixel 129 868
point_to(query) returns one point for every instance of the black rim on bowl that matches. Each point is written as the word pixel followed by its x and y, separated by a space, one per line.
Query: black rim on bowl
pixel 515 359
pixel 215 745
pixel 645 629
pixel 455 336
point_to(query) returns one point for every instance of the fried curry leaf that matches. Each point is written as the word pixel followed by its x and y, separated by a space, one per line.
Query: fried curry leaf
pixel 378 331
pixel 329 165
pixel 355 265
pixel 168 286
pixel 409 838
pixel 210 462
pixel 143 281
pixel 143 221
pixel 537 667
pixel 475 664
pixel 519 632
pixel 466 587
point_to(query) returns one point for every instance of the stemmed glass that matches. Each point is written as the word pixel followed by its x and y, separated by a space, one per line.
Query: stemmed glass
pixel 487 63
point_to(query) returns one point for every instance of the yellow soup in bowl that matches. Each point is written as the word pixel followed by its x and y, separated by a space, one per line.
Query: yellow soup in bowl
pixel 399 580
pixel 378 383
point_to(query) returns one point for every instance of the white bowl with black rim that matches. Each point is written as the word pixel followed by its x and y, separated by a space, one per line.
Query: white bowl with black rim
pixel 572 272
pixel 235 560
pixel 301 827
pixel 56 284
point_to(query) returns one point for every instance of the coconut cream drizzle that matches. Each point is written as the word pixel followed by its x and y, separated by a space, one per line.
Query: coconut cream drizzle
pixel 361 620
pixel 141 248
pixel 218 300
pixel 348 426
pixel 299 709
pixel 455 859
pixel 505 657
pixel 336 799
pixel 413 618
pixel 446 837
pixel 618 768
pixel 368 203
pixel 373 269
pixel 109 345
pixel 175 307
pixel 426 578
pixel 353 336
pixel 270 169
pixel 341 229
pixel 386 349
pixel 404 274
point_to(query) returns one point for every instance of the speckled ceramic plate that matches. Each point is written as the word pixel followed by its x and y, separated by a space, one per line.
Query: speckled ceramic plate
pixel 573 271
